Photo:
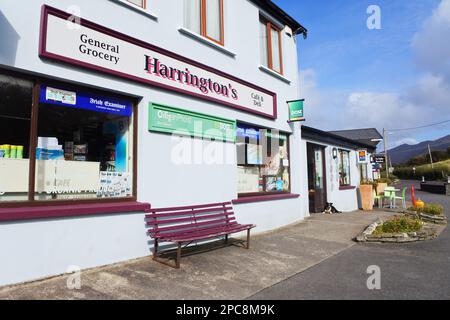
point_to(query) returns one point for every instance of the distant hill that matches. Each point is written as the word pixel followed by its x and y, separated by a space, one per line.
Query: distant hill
pixel 405 152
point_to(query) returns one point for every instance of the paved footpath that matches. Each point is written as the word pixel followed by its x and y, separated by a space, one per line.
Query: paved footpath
pixel 408 271
pixel 227 272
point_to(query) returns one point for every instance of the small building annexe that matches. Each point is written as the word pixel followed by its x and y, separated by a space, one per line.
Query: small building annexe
pixel 159 104
pixel 336 167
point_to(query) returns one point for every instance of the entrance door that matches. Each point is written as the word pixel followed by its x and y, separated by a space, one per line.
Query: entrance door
pixel 316 178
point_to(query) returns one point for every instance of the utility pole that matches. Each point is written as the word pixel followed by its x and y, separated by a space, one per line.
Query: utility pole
pixel 431 157
pixel 386 153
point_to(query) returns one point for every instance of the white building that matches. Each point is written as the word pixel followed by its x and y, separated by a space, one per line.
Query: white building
pixel 91 94
pixel 108 107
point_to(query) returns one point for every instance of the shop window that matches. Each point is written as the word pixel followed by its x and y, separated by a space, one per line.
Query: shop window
pixel 205 17
pixel 139 3
pixel 84 147
pixel 270 46
pixel 344 168
pixel 263 161
pixel 15 123
pixel 84 143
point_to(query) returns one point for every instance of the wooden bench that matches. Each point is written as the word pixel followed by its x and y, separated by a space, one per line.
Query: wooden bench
pixel 184 225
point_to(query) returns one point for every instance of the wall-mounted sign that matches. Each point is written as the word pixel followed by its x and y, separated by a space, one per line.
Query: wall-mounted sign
pixel 296 110
pixel 251 133
pixel 86 101
pixel 378 159
pixel 362 156
pixel 182 122
pixel 95 47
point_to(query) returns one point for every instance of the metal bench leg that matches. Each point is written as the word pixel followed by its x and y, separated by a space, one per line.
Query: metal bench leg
pixel 155 249
pixel 248 240
pixel 178 262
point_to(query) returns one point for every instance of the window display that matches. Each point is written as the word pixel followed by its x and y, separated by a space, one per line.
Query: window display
pixel 15 123
pixel 84 143
pixel 263 161
pixel 87 140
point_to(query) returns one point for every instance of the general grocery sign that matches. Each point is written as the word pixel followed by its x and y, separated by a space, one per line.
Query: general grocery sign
pixel 92 46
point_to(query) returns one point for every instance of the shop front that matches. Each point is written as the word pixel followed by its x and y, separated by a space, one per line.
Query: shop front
pixel 100 126
pixel 336 168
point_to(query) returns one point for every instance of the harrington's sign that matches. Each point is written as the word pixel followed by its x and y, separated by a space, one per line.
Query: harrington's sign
pixel 83 43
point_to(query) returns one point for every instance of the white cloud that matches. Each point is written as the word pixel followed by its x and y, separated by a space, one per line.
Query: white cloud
pixel 431 45
pixel 410 141
pixel 427 101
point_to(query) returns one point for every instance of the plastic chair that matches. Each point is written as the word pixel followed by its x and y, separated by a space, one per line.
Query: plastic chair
pixel 402 198
pixel 389 193
pixel 378 199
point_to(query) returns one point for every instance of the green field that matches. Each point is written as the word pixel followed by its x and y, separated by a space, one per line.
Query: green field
pixel 438 165
pixel 440 171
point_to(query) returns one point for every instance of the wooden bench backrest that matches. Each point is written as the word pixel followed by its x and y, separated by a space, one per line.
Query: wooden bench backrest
pixel 166 222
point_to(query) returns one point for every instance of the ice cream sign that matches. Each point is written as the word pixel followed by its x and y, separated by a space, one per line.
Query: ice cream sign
pixel 362 156
pixel 92 46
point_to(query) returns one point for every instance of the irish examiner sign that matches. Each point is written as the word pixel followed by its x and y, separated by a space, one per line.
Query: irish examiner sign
pixel 86 44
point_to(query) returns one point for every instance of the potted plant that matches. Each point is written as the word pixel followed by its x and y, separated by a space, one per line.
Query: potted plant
pixel 366 193
pixel 380 185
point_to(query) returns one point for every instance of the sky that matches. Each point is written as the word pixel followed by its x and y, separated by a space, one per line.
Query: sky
pixel 394 77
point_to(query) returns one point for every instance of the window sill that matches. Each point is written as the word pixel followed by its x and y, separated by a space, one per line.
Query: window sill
pixel 274 74
pixel 71 210
pixel 136 9
pixel 271 197
pixel 206 41
pixel 347 188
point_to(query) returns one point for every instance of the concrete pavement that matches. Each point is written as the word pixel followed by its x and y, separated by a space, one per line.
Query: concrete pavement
pixel 408 271
pixel 224 273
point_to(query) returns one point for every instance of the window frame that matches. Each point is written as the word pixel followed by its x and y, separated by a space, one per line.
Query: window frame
pixel 269 27
pixel 32 202
pixel 203 25
pixel 221 23
pixel 247 195
pixel 144 4
pixel 341 167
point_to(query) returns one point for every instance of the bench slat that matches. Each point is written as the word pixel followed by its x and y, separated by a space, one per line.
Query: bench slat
pixel 209 233
pixel 187 212
pixel 195 225
pixel 159 222
pixel 188 233
pixel 221 204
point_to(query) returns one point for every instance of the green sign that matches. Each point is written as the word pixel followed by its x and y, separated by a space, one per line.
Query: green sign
pixel 182 122
pixel 296 110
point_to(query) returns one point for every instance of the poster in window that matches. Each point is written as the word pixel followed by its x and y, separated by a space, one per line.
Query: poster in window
pixel 248 180
pixel 254 154
pixel 270 183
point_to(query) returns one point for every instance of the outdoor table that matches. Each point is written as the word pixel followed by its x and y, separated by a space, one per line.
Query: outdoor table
pixel 391 191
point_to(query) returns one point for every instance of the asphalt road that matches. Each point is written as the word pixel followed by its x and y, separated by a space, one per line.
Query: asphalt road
pixel 408 271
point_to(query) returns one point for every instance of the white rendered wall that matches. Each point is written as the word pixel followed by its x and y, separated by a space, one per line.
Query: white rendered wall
pixel 36 249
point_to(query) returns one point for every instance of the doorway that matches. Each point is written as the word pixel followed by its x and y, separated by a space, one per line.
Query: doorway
pixel 316 178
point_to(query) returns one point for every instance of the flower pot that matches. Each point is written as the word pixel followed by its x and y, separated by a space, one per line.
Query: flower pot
pixel 380 188
pixel 366 193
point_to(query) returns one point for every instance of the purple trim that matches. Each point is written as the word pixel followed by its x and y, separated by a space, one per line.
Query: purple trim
pixel 347 188
pixel 266 198
pixel 47 10
pixel 73 210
